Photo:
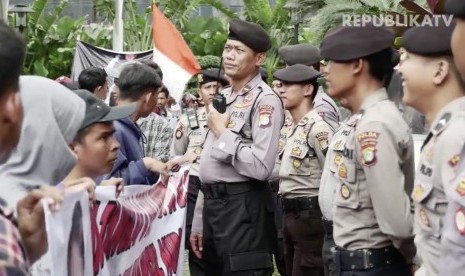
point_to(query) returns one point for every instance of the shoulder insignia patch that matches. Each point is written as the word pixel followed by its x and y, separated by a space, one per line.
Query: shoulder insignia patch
pixel 180 131
pixel 322 138
pixel 265 112
pixel 368 141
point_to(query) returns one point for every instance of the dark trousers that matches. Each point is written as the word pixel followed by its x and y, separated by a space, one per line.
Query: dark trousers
pixel 303 242
pixel 395 270
pixel 328 248
pixel 238 227
pixel 278 221
pixel 196 266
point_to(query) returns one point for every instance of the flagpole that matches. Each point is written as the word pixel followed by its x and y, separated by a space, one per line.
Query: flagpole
pixel 4 10
pixel 118 27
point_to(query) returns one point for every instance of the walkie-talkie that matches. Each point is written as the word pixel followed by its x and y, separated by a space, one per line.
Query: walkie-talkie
pixel 219 101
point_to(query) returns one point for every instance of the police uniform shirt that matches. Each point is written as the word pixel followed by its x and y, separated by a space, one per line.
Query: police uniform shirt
pixel 438 159
pixel 247 149
pixel 327 109
pixel 288 123
pixel 329 180
pixel 304 157
pixel 188 139
pixel 371 206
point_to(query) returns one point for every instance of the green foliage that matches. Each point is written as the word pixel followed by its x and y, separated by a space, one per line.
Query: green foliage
pixel 209 61
pixel 206 36
pixel 137 28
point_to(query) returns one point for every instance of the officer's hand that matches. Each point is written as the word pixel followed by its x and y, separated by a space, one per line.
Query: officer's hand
pixel 196 244
pixel 117 182
pixel 216 121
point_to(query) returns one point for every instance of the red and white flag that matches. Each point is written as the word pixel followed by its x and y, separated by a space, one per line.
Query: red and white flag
pixel 172 54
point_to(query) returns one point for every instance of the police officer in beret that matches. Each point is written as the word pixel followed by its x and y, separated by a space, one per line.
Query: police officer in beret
pixel 452 239
pixel 239 152
pixel 457 9
pixel 187 142
pixel 308 55
pixel 432 86
pixel 300 173
pixel 375 165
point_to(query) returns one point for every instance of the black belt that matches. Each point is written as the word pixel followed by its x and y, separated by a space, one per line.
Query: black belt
pixel 300 204
pixel 328 226
pixel 220 190
pixel 365 259
pixel 274 185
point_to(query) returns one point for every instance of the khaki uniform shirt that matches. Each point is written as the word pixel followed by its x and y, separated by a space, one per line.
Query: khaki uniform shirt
pixel 329 179
pixel 188 139
pixel 304 157
pixel 439 157
pixel 248 148
pixel 288 123
pixel 327 109
pixel 371 206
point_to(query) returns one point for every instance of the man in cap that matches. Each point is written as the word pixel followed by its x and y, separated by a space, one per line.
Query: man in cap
pixel 375 160
pixel 308 55
pixel 238 156
pixel 139 84
pixel 452 238
pixel 300 173
pixel 432 85
pixel 187 141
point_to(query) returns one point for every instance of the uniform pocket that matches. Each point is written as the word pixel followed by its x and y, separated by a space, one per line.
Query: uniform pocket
pixel 300 161
pixel 347 193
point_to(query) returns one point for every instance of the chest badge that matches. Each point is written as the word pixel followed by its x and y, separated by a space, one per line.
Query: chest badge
pixel 345 192
pixel 418 192
pixel 461 187
pixel 296 151
pixel 342 171
pixel 296 163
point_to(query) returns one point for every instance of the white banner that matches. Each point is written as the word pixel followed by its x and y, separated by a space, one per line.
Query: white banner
pixel 139 233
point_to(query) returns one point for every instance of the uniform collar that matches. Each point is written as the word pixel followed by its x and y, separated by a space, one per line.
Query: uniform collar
pixel 374 98
pixel 254 82
pixel 444 116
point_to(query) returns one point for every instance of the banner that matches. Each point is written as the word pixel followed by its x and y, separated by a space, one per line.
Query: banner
pixel 87 55
pixel 139 233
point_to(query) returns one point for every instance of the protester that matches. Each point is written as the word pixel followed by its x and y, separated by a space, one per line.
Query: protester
pixel 94 79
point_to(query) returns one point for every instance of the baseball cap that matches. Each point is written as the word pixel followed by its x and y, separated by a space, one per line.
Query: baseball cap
pixel 98 111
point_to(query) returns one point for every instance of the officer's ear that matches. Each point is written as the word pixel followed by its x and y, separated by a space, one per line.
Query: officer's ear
pixel 308 90
pixel 357 66
pixel 442 69
pixel 260 58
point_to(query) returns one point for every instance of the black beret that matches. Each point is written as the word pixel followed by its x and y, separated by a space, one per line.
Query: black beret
pixel 429 41
pixel 348 43
pixel 456 8
pixel 296 73
pixel 210 75
pixel 304 54
pixel 251 34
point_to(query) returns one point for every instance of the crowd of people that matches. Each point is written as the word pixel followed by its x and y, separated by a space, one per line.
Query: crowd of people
pixel 313 173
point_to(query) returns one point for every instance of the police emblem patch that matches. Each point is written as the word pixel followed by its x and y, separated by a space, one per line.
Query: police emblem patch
pixel 338 160
pixel 345 192
pixel 296 163
pixel 418 192
pixel 265 112
pixel 342 171
pixel 454 160
pixel 296 151
pixel 231 124
pixel 179 131
pixel 461 187
pixel 322 138
pixel 460 221
pixel 424 217
pixel 198 150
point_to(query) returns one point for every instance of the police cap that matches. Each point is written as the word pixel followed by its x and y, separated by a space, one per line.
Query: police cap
pixel 429 40
pixel 210 75
pixel 296 73
pixel 349 43
pixel 251 34
pixel 456 8
pixel 299 54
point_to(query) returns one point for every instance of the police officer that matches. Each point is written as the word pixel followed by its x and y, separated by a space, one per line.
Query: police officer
pixel 308 55
pixel 187 142
pixel 238 156
pixel 453 234
pixel 433 87
pixel 300 172
pixel 371 212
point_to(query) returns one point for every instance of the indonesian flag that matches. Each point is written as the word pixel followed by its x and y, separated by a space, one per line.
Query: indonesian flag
pixel 172 54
